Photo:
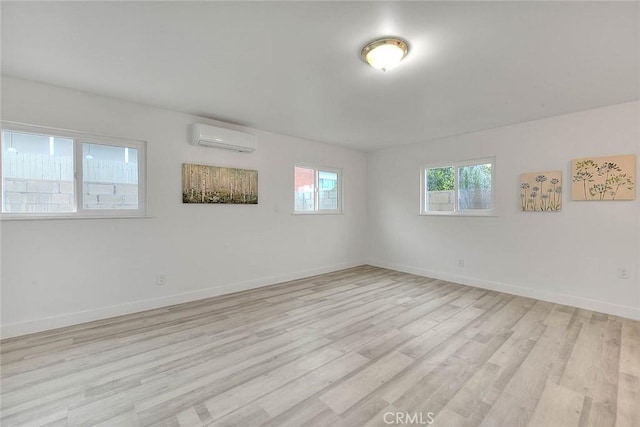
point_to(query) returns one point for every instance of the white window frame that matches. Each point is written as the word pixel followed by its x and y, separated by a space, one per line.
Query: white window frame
pixel 78 203
pixel 456 165
pixel 317 169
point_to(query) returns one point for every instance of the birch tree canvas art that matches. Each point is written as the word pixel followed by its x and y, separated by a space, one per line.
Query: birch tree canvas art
pixel 212 184
pixel 604 178
pixel 541 191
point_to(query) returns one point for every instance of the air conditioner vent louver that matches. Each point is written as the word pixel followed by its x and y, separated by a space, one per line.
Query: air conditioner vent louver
pixel 226 139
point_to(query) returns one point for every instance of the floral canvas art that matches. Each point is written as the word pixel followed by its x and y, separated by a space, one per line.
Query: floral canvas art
pixel 541 191
pixel 604 178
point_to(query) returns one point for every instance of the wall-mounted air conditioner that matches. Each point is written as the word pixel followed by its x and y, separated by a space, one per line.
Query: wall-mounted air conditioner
pixel 227 139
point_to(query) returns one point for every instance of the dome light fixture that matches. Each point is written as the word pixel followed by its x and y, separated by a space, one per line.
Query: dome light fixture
pixel 11 149
pixel 89 156
pixel 385 53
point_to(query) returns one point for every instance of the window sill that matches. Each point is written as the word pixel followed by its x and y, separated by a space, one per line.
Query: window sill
pixel 68 217
pixel 460 214
pixel 317 213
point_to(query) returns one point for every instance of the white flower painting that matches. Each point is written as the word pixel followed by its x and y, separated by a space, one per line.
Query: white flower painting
pixel 541 191
pixel 604 178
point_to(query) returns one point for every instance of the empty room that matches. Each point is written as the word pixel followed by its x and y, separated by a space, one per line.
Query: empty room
pixel 320 213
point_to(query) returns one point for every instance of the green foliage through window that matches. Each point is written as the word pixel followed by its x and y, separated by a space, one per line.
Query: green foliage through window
pixel 465 186
pixel 476 177
pixel 440 179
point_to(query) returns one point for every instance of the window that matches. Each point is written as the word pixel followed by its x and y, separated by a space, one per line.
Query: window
pixel 317 190
pixel 458 188
pixel 53 173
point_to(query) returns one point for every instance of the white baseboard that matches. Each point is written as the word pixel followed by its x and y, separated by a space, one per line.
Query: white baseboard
pixel 628 312
pixel 69 319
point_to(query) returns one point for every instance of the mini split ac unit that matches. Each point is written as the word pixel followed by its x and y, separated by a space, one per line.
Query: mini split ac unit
pixel 227 139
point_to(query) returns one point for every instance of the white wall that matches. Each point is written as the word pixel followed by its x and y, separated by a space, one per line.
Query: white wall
pixel 569 257
pixel 59 272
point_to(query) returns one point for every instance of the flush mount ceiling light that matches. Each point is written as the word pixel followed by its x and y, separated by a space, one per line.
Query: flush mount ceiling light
pixel 385 53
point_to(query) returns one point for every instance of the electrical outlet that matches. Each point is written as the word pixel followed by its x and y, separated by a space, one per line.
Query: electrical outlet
pixel 161 279
pixel 460 263
pixel 623 273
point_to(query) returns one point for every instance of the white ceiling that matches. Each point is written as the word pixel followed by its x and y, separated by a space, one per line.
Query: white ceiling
pixel 294 67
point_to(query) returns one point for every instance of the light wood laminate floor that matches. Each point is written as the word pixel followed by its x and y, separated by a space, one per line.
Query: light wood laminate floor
pixel 350 348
